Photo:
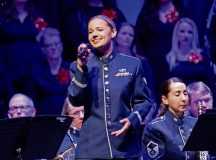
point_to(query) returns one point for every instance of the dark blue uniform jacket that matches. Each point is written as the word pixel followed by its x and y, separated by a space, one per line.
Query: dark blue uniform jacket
pixel 110 89
pixel 165 137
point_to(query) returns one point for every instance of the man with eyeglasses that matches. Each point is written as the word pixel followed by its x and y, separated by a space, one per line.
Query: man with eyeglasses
pixel 200 95
pixel 71 139
pixel 21 105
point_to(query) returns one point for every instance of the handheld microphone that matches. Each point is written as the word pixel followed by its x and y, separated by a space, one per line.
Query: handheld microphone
pixel 82 51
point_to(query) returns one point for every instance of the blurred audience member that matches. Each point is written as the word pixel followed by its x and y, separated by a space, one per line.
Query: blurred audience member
pixel 19 27
pixel 154 29
pixel 200 95
pixel 69 144
pixel 186 60
pixel 125 44
pixel 75 22
pixel 51 79
pixel 20 105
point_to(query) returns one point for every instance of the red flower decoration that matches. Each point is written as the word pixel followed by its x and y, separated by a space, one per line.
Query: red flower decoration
pixel 63 76
pixel 111 13
pixel 172 15
pixel 40 24
pixel 195 57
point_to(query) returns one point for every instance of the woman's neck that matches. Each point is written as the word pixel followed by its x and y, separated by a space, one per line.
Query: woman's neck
pixel 55 64
pixel 22 12
pixel 107 51
pixel 185 48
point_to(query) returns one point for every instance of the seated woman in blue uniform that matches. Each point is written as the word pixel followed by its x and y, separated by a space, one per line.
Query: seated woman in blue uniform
pixel 113 91
pixel 165 136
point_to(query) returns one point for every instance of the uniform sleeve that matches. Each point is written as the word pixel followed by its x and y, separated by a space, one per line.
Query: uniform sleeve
pixel 153 143
pixel 141 102
pixel 77 89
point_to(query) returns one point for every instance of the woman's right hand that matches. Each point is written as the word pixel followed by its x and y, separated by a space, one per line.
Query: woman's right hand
pixel 82 58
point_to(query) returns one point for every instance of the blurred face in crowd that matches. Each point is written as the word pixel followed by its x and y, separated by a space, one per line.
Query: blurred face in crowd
pixel 77 113
pixel 205 100
pixel 20 107
pixel 185 33
pixel 177 98
pixel 52 47
pixel 125 36
pixel 100 34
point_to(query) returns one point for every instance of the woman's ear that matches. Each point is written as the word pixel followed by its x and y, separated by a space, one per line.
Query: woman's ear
pixel 164 100
pixel 114 32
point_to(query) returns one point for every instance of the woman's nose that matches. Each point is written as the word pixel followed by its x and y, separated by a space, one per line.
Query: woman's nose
pixel 81 114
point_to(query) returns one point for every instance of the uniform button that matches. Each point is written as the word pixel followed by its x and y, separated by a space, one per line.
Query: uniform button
pixel 108 115
pixel 107 90
pixel 106 68
pixel 106 76
pixel 109 123
pixel 107 82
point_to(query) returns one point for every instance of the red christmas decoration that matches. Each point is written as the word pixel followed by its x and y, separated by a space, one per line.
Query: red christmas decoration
pixel 195 58
pixel 172 15
pixel 40 23
pixel 63 76
pixel 111 13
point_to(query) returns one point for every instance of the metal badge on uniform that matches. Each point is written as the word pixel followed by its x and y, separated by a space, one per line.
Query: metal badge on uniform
pixel 152 149
pixel 123 73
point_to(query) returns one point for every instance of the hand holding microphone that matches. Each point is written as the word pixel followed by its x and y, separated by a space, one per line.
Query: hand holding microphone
pixel 84 50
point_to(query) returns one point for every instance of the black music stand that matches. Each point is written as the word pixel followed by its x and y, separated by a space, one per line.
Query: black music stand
pixel 31 138
pixel 203 136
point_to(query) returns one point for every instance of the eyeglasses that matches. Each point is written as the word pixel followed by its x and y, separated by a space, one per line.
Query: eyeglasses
pixel 77 114
pixel 55 44
pixel 22 108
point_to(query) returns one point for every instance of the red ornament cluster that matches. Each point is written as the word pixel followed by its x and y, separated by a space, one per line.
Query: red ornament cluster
pixel 63 76
pixel 111 13
pixel 172 15
pixel 40 24
pixel 195 58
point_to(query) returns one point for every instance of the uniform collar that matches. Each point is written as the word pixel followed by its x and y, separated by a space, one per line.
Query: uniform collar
pixel 172 117
pixel 106 60
pixel 74 131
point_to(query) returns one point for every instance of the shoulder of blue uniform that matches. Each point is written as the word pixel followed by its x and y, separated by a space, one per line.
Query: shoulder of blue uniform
pixel 129 57
pixel 191 119
pixel 157 121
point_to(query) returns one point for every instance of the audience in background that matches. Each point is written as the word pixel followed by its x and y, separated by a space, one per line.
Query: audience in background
pixel 51 79
pixel 19 25
pixel 75 22
pixel 200 95
pixel 153 30
pixel 20 105
pixel 186 60
pixel 71 139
